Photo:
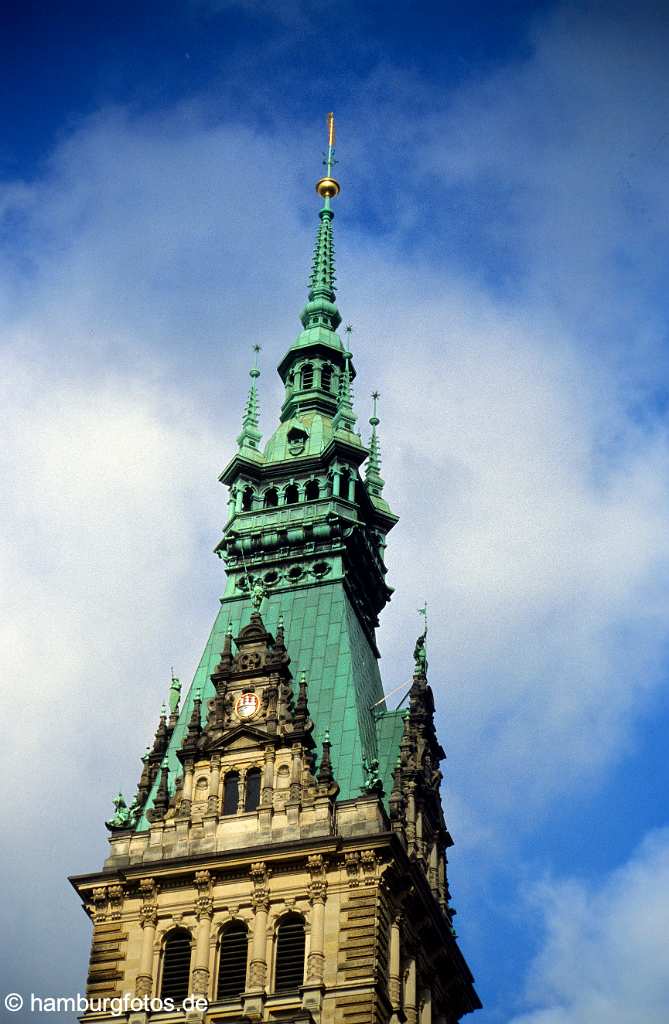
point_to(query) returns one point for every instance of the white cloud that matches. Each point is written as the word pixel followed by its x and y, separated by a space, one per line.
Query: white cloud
pixel 603 956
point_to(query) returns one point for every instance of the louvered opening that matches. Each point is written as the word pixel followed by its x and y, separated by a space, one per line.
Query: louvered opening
pixel 232 961
pixel 326 378
pixel 290 954
pixel 252 795
pixel 231 793
pixel 307 377
pixel 176 965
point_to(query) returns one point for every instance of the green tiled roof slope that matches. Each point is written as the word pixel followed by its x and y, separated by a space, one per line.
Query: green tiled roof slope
pixel 324 639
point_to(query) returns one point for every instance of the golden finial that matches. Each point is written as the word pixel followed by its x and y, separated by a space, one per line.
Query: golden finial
pixel 328 187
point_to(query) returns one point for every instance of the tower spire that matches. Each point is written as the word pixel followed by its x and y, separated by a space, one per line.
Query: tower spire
pixel 320 310
pixel 250 435
pixel 373 476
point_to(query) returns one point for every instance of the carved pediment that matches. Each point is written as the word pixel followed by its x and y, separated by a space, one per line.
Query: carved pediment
pixel 242 737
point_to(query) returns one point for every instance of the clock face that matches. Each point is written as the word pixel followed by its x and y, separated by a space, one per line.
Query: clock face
pixel 246 705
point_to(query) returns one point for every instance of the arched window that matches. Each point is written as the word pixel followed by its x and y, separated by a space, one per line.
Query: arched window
pixel 344 483
pixel 289 972
pixel 326 377
pixel 232 961
pixel 247 499
pixel 292 494
pixel 271 498
pixel 312 490
pixel 231 793
pixel 176 965
pixel 252 795
pixel 307 377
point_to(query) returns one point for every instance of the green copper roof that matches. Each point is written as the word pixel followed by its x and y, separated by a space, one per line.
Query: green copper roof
pixel 315 428
pixel 325 640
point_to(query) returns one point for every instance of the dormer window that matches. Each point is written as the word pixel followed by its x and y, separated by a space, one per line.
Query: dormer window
pixel 297 440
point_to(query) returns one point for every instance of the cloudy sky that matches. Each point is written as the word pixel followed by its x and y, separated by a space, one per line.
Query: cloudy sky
pixel 502 243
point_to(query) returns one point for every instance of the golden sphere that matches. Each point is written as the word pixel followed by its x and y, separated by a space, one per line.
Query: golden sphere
pixel 327 188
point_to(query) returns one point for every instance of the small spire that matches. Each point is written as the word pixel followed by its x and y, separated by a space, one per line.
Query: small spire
pixel 373 476
pixel 325 772
pixel 189 745
pixel 345 418
pixel 162 798
pixel 250 436
pixel 301 716
pixel 175 694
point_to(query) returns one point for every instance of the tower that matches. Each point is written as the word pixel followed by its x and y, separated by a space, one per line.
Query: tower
pixel 284 858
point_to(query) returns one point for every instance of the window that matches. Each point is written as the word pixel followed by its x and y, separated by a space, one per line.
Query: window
pixel 271 498
pixel 326 377
pixel 312 490
pixel 176 965
pixel 231 793
pixel 247 499
pixel 289 972
pixel 307 377
pixel 232 961
pixel 292 494
pixel 252 796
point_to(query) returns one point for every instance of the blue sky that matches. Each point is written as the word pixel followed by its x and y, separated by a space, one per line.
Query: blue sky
pixel 502 253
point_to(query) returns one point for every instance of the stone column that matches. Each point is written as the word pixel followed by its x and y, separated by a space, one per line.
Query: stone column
pixel 336 481
pixel 317 891
pixel 148 916
pixel 204 909
pixel 187 790
pixel 268 777
pixel 433 872
pixel 410 1003
pixel 351 486
pixel 314 986
pixel 214 784
pixel 394 966
pixel 296 773
pixel 426 1006
pixel 260 903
